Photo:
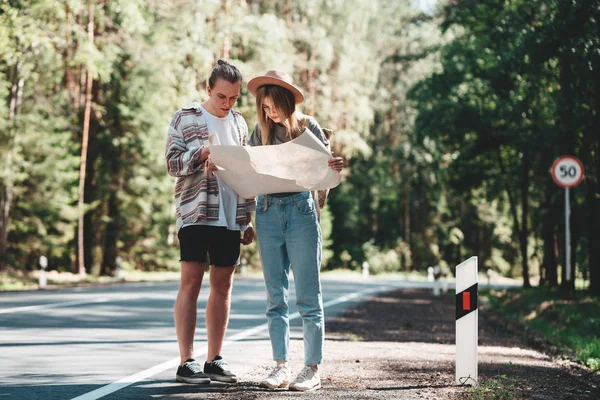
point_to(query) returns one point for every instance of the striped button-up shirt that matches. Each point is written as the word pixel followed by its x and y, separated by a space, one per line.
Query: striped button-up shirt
pixel 196 189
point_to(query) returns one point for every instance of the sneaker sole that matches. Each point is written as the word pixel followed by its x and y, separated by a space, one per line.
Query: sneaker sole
pixel 224 379
pixel 283 385
pixel 202 381
pixel 295 389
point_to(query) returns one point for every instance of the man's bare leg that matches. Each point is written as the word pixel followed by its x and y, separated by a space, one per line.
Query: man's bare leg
pixel 217 309
pixel 186 307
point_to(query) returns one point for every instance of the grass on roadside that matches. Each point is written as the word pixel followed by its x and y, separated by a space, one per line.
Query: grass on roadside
pixel 354 338
pixel 501 387
pixel 14 281
pixel 571 326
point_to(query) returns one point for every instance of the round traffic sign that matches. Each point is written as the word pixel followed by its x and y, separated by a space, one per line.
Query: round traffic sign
pixel 567 171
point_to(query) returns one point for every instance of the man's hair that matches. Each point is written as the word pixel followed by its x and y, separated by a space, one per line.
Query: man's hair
pixel 224 71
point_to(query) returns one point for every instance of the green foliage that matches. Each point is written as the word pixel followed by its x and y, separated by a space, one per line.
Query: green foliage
pixel 449 120
pixel 381 261
pixel 507 102
pixel 570 325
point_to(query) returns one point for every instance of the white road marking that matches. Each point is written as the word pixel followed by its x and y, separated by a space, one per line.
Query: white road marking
pixel 140 376
pixel 84 301
pixel 53 305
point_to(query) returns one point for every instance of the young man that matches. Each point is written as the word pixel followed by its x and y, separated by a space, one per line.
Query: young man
pixel 210 218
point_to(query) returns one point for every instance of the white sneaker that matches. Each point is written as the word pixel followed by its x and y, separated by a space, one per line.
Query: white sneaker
pixel 307 379
pixel 278 378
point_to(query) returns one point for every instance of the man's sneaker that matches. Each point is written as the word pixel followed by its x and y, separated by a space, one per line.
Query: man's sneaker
pixel 278 378
pixel 218 370
pixel 307 379
pixel 191 372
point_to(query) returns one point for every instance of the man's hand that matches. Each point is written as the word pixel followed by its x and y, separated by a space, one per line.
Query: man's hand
pixel 336 163
pixel 204 154
pixel 205 158
pixel 248 236
pixel 210 166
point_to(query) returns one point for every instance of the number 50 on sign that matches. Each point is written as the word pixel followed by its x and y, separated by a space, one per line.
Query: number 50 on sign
pixel 567 171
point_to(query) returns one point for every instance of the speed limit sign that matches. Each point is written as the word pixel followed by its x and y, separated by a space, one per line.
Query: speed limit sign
pixel 567 171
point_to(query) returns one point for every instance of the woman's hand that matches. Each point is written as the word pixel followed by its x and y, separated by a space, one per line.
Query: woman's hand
pixel 248 236
pixel 336 163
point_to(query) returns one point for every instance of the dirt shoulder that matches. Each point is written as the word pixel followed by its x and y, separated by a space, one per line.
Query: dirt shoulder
pixel 400 345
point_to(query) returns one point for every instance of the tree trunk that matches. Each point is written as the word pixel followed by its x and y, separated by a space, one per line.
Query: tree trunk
pixel 111 232
pixel 6 195
pixel 91 233
pixel 84 149
pixel 70 80
pixel 557 253
pixel 7 187
pixel 407 223
pixel 111 235
pixel 575 242
pixel 594 226
pixel 524 231
pixel 549 264
pixel 16 93
pixel 514 213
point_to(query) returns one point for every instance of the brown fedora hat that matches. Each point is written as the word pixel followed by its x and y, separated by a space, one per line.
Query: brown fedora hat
pixel 276 78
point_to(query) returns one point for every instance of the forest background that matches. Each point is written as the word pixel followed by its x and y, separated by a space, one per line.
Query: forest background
pixel 449 117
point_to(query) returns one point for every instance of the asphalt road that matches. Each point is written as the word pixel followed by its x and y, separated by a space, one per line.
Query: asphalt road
pixel 118 342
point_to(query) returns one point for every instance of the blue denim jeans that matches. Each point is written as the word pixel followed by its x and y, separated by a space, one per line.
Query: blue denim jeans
pixel 288 233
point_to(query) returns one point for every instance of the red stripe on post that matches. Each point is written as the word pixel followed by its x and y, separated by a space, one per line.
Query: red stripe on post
pixel 466 301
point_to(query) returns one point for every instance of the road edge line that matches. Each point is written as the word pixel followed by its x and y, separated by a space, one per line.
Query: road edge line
pixel 147 373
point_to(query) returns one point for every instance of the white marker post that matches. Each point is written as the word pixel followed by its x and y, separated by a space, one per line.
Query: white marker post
pixel 118 262
pixel 430 277
pixel 42 280
pixel 243 267
pixel 445 273
pixel 567 172
pixel 466 322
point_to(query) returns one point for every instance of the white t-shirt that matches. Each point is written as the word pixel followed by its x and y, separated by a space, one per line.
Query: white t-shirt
pixel 224 132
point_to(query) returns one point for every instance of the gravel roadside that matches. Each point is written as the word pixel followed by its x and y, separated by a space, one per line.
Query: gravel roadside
pixel 400 345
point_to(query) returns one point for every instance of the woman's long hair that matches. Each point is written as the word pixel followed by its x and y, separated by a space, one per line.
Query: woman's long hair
pixel 285 105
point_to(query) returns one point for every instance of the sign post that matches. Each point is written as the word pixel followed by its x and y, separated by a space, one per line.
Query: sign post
pixel 567 172
pixel 467 316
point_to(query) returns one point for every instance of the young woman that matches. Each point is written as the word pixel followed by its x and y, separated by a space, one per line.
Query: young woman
pixel 288 234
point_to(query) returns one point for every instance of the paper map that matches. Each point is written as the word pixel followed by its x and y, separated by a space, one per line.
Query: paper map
pixel 296 166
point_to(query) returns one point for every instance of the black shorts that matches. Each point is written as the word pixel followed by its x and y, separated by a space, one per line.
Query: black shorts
pixel 220 244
